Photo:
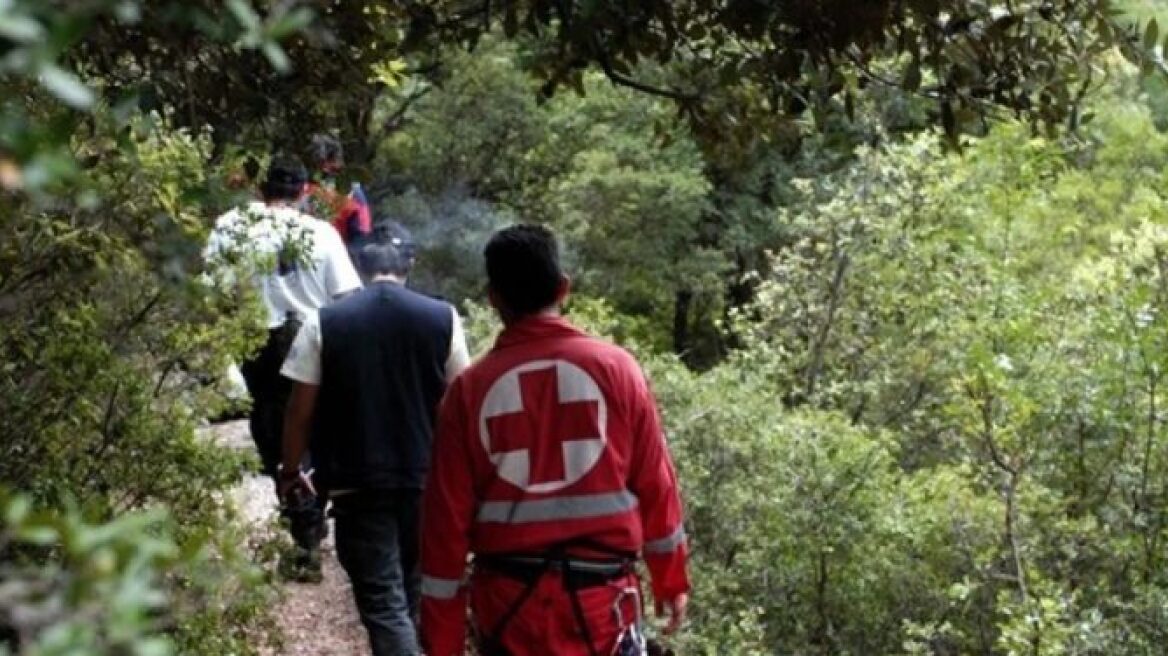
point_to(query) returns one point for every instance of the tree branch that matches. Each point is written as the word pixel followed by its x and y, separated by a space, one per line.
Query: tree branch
pixel 107 437
pixel 395 120
pixel 843 260
pixel 624 81
pixel 605 61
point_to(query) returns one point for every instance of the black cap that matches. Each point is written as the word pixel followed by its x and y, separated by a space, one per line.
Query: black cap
pixel 396 235
pixel 285 179
pixel 286 170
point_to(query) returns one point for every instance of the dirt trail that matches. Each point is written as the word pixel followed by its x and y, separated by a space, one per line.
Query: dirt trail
pixel 314 619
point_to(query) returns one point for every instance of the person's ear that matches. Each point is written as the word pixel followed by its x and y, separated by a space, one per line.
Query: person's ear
pixel 563 290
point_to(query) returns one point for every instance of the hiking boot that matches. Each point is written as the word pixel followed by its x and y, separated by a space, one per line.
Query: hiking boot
pixel 301 566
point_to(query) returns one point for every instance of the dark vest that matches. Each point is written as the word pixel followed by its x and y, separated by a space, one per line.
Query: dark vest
pixel 383 372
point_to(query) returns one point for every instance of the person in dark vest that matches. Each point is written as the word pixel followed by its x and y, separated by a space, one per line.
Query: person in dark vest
pixel 369 374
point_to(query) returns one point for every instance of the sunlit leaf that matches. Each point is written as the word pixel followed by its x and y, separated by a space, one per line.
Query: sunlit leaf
pixel 276 56
pixel 66 86
pixel 128 11
pixel 245 14
pixel 21 29
pixel 16 512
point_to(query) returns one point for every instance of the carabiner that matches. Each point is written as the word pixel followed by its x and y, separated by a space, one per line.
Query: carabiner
pixel 630 641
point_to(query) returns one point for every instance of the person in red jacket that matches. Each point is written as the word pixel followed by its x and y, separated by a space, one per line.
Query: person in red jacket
pixel 350 214
pixel 552 469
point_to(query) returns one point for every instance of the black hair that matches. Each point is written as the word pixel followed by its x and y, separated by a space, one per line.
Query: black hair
pixel 392 232
pixel 324 148
pixel 523 268
pixel 390 251
pixel 285 179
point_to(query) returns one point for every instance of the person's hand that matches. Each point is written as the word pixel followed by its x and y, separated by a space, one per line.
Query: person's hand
pixel 675 610
pixel 291 479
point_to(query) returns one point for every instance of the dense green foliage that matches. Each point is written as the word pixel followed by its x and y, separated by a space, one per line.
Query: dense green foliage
pixel 110 588
pixel 109 357
pixel 110 354
pixel 263 72
pixel 945 432
pixel 593 167
pixel 744 69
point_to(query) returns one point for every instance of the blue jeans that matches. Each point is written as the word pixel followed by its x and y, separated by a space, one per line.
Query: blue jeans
pixel 377 544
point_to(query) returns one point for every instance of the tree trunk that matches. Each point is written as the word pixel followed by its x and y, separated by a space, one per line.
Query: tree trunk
pixel 682 302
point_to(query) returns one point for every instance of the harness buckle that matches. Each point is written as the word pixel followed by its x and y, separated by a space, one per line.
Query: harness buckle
pixel 631 640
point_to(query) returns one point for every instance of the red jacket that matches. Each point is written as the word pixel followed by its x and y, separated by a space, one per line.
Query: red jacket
pixel 347 214
pixel 551 438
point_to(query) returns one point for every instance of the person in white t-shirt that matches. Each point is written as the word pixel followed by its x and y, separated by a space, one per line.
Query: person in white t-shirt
pixel 298 265
pixel 298 262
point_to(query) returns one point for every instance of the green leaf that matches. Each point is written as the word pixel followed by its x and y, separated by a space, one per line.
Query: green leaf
pixel 290 23
pixel 128 12
pixel 41 536
pixel 153 647
pixel 1151 34
pixel 21 29
pixel 66 86
pixel 17 511
pixel 276 56
pixel 245 14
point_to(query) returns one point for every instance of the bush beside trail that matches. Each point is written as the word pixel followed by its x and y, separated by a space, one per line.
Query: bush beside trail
pixel 110 349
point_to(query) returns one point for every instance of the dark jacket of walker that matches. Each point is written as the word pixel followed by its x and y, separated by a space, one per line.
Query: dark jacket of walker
pixel 383 359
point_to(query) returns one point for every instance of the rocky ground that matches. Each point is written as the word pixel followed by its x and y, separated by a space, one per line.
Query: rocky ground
pixel 312 619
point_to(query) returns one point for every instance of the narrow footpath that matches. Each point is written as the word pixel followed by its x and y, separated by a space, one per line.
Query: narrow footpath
pixel 314 619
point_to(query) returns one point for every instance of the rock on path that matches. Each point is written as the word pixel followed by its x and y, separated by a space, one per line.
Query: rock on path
pixel 313 619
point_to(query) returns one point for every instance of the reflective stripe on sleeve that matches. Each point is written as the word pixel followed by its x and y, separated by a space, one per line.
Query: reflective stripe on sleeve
pixel 542 510
pixel 440 588
pixel 666 544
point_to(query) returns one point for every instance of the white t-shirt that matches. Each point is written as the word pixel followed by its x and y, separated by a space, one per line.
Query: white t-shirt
pixel 303 361
pixel 299 263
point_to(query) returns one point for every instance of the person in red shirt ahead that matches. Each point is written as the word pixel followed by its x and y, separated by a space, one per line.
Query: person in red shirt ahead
pixel 350 214
pixel 551 468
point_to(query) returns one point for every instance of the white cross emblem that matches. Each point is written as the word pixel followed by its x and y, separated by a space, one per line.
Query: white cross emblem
pixel 544 425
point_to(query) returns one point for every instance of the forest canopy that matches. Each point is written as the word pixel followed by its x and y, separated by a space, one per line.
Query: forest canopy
pixel 739 71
